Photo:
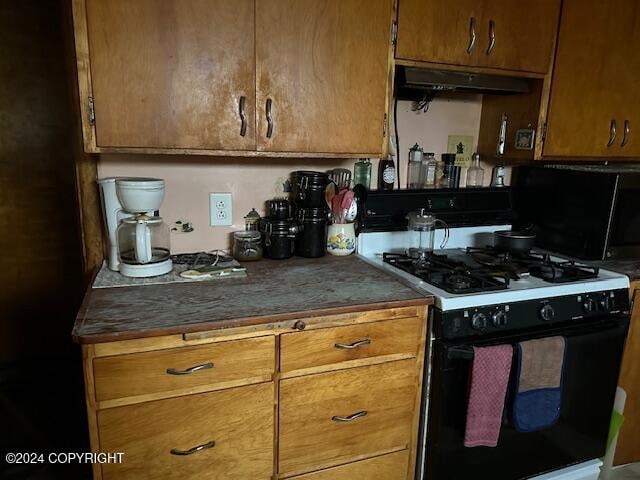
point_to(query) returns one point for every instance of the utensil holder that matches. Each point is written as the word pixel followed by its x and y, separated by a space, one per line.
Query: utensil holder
pixel 341 239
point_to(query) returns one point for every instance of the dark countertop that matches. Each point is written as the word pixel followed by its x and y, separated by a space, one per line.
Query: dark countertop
pixel 630 268
pixel 273 291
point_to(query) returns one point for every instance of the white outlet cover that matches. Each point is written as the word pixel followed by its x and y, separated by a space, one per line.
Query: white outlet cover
pixel 220 209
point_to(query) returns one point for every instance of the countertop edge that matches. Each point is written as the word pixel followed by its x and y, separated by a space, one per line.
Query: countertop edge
pixel 236 322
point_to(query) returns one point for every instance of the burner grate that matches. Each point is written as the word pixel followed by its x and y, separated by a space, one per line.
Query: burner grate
pixel 449 275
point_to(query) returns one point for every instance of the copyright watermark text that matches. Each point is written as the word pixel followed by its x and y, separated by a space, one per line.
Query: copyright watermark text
pixel 64 457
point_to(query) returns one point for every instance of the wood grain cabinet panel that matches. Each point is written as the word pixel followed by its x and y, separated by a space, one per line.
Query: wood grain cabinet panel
pixel 171 74
pixel 386 467
pixel 523 34
pixel 323 69
pixel 332 346
pixel 315 431
pixel 238 421
pixel 592 79
pixel 439 31
pixel 214 365
pixel 479 33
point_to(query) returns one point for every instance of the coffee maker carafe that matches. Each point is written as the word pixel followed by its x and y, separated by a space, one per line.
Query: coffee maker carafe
pixel 138 238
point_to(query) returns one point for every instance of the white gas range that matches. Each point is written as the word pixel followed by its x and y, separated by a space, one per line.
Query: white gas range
pixel 591 312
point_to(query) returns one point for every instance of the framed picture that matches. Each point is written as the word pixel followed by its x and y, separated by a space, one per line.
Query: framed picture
pixel 525 139
pixel 462 146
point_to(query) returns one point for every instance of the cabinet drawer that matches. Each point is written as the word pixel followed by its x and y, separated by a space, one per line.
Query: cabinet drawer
pixel 315 430
pixel 221 364
pixel 317 348
pixel 387 467
pixel 235 424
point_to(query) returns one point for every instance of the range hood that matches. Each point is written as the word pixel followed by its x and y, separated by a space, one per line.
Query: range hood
pixel 410 80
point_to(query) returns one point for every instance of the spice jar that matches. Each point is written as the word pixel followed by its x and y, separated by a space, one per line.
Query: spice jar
pixel 247 246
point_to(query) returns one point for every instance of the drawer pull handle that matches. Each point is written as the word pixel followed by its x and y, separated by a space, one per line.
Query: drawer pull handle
pixel 472 34
pixel 197 368
pixel 350 418
pixel 492 36
pixel 243 116
pixel 612 133
pixel 191 451
pixel 267 109
pixel 351 346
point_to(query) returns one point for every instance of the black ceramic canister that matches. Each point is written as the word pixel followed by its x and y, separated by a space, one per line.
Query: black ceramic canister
pixel 309 188
pixel 312 238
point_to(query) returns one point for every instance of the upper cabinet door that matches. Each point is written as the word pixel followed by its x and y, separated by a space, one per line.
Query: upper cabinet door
pixel 440 31
pixel 518 35
pixel 322 71
pixel 586 90
pixel 173 73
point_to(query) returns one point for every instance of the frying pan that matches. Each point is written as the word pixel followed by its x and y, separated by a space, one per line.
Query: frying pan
pixel 514 241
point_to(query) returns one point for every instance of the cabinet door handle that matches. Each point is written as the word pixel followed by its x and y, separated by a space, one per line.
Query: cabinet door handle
pixel 472 34
pixel 267 109
pixel 197 368
pixel 191 451
pixel 612 133
pixel 626 131
pixel 351 346
pixel 492 36
pixel 350 418
pixel 243 115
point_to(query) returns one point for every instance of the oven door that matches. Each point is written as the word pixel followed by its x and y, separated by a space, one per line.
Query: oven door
pixel 592 361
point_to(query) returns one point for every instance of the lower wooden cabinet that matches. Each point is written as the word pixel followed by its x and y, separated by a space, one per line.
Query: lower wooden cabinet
pixel 336 417
pixel 226 434
pixel 386 467
pixel 338 400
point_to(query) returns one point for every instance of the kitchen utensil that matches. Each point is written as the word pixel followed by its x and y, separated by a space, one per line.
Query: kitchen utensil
pixel 341 177
pixel 514 241
pixel 329 193
pixel 352 211
pixel 423 226
pixel 138 238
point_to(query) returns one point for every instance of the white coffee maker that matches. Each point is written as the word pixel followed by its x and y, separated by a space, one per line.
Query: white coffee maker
pixel 138 239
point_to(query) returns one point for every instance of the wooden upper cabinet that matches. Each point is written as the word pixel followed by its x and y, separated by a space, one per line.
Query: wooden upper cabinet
pixel 518 35
pixel 322 75
pixel 593 80
pixel 439 31
pixel 479 33
pixel 172 74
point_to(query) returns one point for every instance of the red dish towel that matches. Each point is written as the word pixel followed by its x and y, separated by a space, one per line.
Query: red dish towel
pixel 489 378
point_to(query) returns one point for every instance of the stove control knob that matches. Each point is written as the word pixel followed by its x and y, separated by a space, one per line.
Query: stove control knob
pixel 608 303
pixel 547 312
pixel 589 305
pixel 499 318
pixel 479 321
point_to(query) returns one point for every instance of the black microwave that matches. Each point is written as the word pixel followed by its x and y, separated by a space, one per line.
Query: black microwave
pixel 588 212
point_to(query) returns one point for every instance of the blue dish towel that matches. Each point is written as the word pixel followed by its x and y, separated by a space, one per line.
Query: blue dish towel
pixel 538 383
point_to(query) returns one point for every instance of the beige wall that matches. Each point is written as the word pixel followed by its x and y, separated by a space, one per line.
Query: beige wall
pixel 190 179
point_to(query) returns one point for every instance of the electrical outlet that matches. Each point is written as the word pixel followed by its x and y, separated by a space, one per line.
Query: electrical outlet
pixel 220 209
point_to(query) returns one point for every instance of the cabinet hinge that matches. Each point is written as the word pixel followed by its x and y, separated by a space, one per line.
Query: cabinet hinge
pixel 92 112
pixel 384 126
pixel 544 132
pixel 394 33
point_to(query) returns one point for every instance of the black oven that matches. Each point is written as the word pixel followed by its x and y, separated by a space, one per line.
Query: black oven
pixel 593 355
pixel 589 212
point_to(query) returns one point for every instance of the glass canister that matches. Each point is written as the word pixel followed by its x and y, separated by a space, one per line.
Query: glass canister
pixel 415 168
pixel 362 173
pixel 247 245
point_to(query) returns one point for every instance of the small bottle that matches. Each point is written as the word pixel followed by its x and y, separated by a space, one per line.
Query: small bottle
pixel 429 165
pixel 475 174
pixel 362 173
pixel 386 173
pixel 414 167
